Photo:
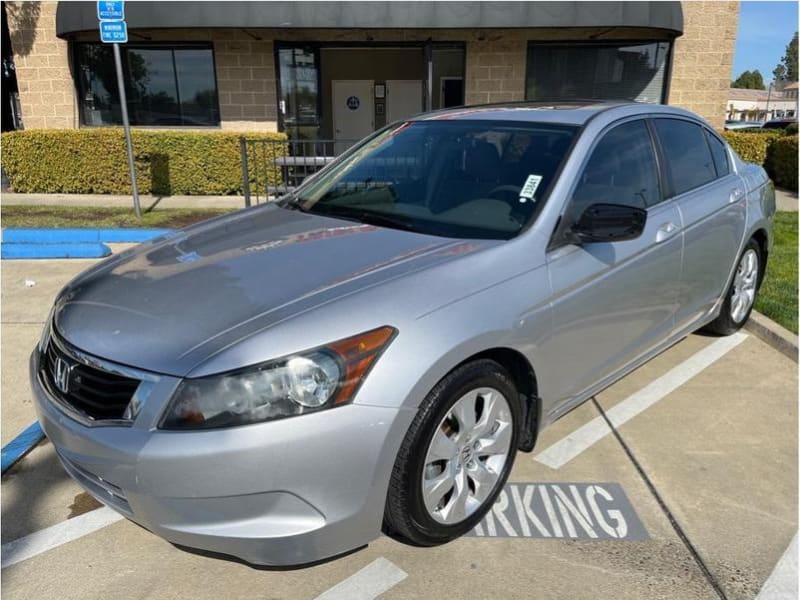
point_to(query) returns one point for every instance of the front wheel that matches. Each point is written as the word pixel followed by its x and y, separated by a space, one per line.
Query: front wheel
pixel 741 295
pixel 456 455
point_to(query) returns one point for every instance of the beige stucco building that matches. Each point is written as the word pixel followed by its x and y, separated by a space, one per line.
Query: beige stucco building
pixel 762 105
pixel 340 69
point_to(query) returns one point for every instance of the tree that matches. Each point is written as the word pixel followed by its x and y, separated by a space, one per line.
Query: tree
pixel 786 71
pixel 749 80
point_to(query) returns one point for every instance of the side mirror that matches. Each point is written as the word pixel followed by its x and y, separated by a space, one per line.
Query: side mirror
pixel 609 223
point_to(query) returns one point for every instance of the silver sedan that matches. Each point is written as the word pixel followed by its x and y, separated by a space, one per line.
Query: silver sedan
pixel 370 352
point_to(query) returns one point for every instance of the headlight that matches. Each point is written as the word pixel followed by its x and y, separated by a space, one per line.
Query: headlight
pixel 307 382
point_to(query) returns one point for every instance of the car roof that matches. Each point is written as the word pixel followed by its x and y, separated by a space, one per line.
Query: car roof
pixel 576 112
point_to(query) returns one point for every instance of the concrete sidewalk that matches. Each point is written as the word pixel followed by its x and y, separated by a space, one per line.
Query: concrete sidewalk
pixel 785 199
pixel 147 202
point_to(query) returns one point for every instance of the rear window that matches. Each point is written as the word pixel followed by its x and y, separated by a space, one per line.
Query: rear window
pixel 719 154
pixel 453 178
pixel 687 154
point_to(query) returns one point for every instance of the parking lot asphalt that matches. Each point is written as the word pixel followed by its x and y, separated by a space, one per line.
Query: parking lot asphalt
pixel 701 442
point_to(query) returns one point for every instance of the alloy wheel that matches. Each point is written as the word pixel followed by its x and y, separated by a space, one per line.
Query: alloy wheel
pixel 466 455
pixel 744 286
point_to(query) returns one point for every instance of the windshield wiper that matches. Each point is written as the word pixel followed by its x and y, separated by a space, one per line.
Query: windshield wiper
pixel 291 202
pixel 387 220
pixel 365 216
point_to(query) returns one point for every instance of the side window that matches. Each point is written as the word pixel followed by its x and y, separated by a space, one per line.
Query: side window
pixel 719 154
pixel 621 170
pixel 686 153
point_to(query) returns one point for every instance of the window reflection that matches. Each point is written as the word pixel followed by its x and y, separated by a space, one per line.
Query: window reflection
pixel 164 86
pixel 299 93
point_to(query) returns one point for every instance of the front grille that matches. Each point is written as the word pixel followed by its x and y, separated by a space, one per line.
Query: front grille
pixel 93 392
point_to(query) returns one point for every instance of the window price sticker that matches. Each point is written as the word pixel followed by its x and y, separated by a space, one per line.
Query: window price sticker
pixel 529 189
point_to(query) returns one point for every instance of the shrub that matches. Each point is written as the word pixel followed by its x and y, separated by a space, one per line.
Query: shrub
pixel 791 129
pixel 781 162
pixel 93 161
pixel 752 146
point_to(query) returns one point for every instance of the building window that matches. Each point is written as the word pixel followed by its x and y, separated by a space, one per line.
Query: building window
pixel 601 71
pixel 165 85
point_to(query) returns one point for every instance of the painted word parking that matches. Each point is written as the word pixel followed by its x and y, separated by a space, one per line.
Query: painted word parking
pixel 588 511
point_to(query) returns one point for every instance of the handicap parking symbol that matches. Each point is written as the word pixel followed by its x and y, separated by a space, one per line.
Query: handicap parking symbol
pixel 353 102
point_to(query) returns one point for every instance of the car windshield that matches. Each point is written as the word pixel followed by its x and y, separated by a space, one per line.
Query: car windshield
pixel 461 179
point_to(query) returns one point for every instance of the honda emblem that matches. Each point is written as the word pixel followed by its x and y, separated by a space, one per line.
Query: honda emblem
pixel 62 374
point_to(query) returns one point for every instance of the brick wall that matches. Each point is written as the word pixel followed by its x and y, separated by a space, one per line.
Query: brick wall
pixel 703 59
pixel 245 82
pixel 495 71
pixel 46 90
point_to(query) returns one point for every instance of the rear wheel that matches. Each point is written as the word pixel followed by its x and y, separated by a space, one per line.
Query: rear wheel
pixel 741 295
pixel 456 456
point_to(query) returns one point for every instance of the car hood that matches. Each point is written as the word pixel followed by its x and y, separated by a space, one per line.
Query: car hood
pixel 170 304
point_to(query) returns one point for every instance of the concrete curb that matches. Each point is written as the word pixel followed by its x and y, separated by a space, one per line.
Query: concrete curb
pixel 39 251
pixel 778 337
pixel 21 445
pixel 78 235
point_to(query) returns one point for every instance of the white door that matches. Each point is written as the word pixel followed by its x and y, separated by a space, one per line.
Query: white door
pixel 353 109
pixel 403 99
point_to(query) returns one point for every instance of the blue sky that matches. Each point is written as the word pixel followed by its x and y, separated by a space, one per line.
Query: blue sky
pixel 764 30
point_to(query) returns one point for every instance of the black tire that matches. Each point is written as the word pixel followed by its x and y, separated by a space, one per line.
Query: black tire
pixel 724 324
pixel 406 516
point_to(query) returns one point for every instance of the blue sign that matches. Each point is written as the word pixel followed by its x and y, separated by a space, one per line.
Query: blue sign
pixel 113 32
pixel 353 103
pixel 111 11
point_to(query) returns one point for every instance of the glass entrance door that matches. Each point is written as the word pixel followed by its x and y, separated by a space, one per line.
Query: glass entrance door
pixel 299 99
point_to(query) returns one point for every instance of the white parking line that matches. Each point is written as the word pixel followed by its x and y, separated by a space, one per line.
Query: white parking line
pixel 370 582
pixel 51 537
pixel 567 448
pixel 782 582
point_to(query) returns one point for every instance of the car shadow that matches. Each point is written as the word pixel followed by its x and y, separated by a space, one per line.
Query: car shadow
pixel 235 559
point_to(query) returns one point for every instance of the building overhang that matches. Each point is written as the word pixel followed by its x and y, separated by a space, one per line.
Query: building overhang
pixel 77 17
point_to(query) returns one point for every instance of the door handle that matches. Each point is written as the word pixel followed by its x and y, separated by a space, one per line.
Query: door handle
pixel 666 231
pixel 736 195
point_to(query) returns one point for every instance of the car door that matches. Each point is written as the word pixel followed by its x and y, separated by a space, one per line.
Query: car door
pixel 611 301
pixel 711 200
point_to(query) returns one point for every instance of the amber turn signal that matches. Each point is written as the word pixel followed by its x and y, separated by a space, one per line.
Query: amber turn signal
pixel 358 354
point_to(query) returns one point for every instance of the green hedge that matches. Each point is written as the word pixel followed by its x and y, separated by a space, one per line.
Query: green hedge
pixel 752 145
pixel 93 161
pixel 781 162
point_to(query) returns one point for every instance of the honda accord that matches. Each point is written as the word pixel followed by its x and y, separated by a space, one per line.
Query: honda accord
pixel 369 352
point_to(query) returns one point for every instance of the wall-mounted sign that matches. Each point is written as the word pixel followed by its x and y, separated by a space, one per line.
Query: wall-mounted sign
pixel 380 90
pixel 353 102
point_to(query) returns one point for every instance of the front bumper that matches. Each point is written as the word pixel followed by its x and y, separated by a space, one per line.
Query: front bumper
pixel 286 492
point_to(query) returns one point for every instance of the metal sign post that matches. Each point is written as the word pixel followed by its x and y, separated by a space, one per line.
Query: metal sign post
pixel 114 31
pixel 126 125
